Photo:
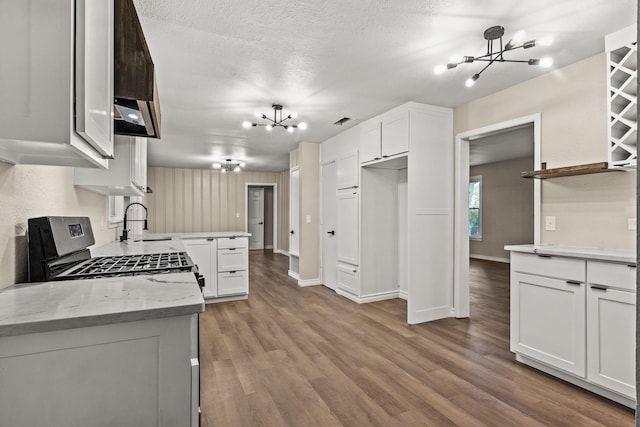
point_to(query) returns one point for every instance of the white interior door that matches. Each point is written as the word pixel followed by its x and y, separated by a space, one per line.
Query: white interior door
pixel 294 212
pixel 256 218
pixel 329 218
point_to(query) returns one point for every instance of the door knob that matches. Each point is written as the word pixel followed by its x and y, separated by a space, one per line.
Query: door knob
pixel 332 232
pixel 292 232
pixel 260 223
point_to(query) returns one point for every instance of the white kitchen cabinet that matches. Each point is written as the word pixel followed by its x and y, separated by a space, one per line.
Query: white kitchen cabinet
pixel 548 323
pixel 224 263
pixel 137 373
pixel 622 80
pixel 611 326
pixel 575 319
pixel 385 136
pixel 611 339
pixel 348 229
pixel 127 173
pixel 57 92
pixel 203 252
pixel 348 170
pixel 233 266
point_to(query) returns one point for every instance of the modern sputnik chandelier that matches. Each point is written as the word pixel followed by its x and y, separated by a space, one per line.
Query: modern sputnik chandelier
pixel 496 50
pixel 277 121
pixel 229 165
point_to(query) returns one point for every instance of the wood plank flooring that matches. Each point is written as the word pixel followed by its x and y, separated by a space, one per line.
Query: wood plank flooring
pixel 291 356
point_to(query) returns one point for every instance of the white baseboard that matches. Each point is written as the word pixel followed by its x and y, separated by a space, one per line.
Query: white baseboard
pixel 490 258
pixel 268 246
pixel 403 294
pixel 280 251
pixel 293 274
pixel 309 282
pixel 368 298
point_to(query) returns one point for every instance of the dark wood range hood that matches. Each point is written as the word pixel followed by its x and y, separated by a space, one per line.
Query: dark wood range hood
pixel 136 104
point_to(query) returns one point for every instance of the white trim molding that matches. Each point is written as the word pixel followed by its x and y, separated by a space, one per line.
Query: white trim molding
pixel 461 194
pixel 309 282
pixel 293 274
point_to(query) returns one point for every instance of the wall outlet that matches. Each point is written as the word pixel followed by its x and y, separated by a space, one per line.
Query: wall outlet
pixel 631 224
pixel 308 219
pixel 550 223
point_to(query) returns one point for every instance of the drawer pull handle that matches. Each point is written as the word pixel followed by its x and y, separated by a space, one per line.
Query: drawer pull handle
pixel 631 265
pixel 210 239
pixel 355 271
pixel 544 256
pixel 599 288
pixel 573 282
pixel 232 249
pixel 232 272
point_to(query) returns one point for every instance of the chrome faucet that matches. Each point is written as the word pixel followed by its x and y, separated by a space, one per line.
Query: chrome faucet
pixel 125 232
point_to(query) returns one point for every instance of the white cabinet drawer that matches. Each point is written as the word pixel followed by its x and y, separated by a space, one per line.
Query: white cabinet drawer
pixel 232 283
pixel 232 259
pixel 233 242
pixel 550 266
pixel 349 279
pixel 620 276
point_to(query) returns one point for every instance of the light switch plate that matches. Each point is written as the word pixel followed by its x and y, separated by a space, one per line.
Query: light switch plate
pixel 308 218
pixel 550 223
pixel 631 224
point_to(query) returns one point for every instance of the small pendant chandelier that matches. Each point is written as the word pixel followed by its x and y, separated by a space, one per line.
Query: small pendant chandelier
pixel 491 35
pixel 277 120
pixel 229 165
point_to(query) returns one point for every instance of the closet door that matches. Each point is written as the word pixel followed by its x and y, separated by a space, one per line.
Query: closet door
pixel 294 212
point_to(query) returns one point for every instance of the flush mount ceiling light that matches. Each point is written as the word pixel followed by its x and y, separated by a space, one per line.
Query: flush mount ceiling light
pixel 495 34
pixel 229 166
pixel 277 120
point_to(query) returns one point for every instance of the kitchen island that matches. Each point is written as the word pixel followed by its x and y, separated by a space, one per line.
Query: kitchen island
pixel 107 351
pixel 573 315
pixel 222 258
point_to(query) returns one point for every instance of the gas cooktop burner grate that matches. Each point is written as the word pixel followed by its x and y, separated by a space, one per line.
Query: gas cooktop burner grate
pixel 129 265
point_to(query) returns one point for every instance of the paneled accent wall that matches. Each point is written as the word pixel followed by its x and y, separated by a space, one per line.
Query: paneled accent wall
pixel 195 200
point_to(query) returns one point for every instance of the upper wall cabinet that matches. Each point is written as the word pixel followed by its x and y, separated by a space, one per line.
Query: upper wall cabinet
pixel 56 56
pixel 127 173
pixel 384 136
pixel 348 170
pixel 622 66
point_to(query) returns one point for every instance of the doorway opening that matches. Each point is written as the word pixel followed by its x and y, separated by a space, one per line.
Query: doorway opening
pixel 261 215
pixel 470 147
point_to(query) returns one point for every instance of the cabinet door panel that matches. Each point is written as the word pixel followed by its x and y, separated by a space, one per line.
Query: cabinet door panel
pixel 395 134
pixel 94 74
pixel 348 227
pixel 370 142
pixel 232 283
pixel 232 259
pixel 611 340
pixel 201 252
pixel 548 321
pixel 348 170
pixel 349 279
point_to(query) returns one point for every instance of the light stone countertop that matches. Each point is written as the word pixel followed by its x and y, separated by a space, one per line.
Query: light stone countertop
pixel 612 255
pixel 199 235
pixel 48 306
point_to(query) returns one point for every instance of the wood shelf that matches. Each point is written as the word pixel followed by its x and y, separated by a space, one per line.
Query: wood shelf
pixel 586 169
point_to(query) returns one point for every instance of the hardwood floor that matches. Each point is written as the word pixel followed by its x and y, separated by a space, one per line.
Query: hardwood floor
pixel 291 356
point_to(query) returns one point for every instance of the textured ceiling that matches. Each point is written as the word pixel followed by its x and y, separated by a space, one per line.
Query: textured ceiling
pixel 219 61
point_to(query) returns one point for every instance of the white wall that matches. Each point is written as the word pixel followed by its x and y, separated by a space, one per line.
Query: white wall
pixel 32 191
pixel 591 211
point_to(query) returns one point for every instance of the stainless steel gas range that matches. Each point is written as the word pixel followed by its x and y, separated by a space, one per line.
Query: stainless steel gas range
pixel 58 250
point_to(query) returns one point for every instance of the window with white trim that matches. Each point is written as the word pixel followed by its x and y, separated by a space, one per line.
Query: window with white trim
pixel 475 207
